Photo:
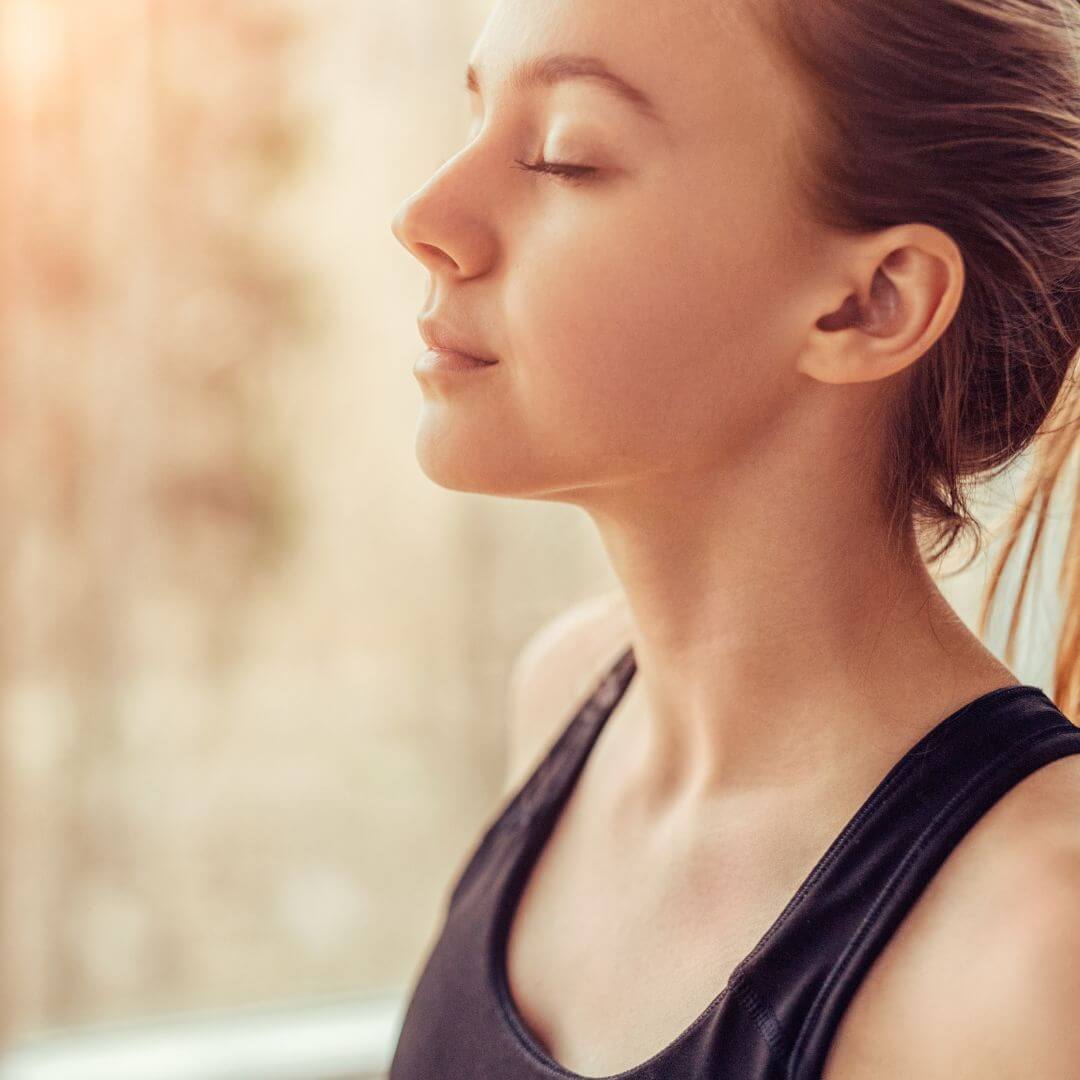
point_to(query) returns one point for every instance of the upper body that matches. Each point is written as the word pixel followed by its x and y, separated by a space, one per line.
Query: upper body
pixel 764 410
pixel 760 292
pixel 979 981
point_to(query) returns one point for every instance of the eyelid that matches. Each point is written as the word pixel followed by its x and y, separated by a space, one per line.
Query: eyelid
pixel 567 173
pixel 564 171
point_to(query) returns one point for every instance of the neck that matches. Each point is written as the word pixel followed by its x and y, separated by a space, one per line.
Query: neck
pixel 801 665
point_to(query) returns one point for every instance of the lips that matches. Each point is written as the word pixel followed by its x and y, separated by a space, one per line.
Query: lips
pixel 439 336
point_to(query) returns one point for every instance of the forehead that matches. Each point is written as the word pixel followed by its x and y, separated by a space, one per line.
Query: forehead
pixel 702 62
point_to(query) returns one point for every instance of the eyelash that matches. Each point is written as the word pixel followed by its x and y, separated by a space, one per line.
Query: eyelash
pixel 568 174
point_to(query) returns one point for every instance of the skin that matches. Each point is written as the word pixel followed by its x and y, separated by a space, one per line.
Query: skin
pixel 687 356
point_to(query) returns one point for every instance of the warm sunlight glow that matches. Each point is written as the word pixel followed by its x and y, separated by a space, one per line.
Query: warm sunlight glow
pixel 30 44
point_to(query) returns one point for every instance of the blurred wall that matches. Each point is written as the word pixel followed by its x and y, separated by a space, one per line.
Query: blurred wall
pixel 253 664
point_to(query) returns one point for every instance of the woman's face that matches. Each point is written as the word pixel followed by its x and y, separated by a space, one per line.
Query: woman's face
pixel 644 317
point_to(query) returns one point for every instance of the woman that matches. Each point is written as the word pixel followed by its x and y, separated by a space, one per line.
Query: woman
pixel 764 287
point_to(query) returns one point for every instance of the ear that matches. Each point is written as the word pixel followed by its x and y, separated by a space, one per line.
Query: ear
pixel 903 287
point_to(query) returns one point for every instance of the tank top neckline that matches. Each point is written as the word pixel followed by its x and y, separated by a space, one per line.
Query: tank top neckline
pixel 594 713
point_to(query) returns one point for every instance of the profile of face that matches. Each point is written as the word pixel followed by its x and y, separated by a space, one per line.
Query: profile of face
pixel 650 309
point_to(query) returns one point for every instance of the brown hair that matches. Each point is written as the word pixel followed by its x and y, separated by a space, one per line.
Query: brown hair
pixel 965 115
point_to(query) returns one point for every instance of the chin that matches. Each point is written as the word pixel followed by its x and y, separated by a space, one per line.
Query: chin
pixel 456 467
pixel 477 468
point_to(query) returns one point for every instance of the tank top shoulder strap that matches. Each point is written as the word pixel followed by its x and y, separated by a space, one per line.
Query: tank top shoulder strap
pixel 558 768
pixel 566 756
pixel 811 964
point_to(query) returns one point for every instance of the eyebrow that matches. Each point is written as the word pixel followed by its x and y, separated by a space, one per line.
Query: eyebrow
pixel 561 67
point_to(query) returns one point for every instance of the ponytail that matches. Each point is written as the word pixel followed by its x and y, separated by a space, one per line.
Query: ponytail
pixel 1053 451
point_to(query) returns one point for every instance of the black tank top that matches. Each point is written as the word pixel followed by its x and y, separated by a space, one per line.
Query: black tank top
pixel 776 1017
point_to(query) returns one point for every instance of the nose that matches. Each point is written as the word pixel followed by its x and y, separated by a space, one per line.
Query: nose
pixel 407 227
pixel 397 222
pixel 449 224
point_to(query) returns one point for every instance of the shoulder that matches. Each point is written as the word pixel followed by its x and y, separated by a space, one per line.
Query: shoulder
pixel 1025 1024
pixel 554 670
pixel 983 975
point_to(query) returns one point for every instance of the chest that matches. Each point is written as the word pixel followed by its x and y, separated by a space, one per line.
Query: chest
pixel 614 950
pixel 609 959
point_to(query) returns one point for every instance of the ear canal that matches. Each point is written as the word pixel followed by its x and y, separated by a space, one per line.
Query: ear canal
pixel 847 314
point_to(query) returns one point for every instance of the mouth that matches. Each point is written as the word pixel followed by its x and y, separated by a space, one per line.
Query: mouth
pixel 441 339
pixel 445 361
pixel 452 356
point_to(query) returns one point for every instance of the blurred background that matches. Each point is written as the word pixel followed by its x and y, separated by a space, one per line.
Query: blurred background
pixel 253 664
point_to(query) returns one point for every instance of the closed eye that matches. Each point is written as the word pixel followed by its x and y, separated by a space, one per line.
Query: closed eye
pixel 571 174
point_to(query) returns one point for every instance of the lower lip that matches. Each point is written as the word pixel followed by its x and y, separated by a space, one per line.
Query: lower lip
pixel 442 361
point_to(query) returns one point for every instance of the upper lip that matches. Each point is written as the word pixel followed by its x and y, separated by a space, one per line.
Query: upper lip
pixel 439 336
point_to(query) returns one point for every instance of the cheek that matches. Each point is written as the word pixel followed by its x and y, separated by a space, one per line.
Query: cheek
pixel 647 323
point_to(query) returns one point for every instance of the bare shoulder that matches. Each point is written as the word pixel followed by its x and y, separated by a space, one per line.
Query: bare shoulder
pixel 981 977
pixel 554 671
